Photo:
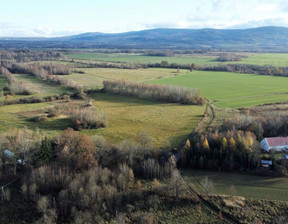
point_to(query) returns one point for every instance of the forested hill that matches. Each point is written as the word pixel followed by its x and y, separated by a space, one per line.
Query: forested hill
pixel 262 38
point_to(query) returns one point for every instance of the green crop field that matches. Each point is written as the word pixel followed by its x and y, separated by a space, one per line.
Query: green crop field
pixel 233 90
pixel 280 60
pixel 127 116
pixel 42 87
pixel 94 77
pixel 248 186
pixel 142 59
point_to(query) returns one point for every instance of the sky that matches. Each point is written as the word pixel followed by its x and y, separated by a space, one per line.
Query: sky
pixel 52 18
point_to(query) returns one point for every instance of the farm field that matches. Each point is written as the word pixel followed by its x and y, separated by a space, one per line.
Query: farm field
pixel 94 77
pixel 127 116
pixel 280 60
pixel 233 90
pixel 142 59
pixel 41 87
pixel 248 186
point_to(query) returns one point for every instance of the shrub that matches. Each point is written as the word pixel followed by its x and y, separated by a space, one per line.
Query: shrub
pixel 40 118
pixel 53 112
pixel 87 118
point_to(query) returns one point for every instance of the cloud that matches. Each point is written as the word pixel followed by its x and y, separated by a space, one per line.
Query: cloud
pixel 224 14
pixel 12 30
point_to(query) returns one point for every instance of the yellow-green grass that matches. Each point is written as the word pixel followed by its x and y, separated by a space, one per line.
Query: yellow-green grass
pixel 142 59
pixel 42 87
pixel 278 60
pixel 94 77
pixel 9 118
pixel 127 116
pixel 248 186
pixel 233 90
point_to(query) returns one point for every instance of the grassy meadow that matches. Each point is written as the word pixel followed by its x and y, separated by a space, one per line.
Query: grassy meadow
pixel 19 115
pixel 233 90
pixel 142 59
pixel 42 87
pixel 127 116
pixel 94 77
pixel 248 186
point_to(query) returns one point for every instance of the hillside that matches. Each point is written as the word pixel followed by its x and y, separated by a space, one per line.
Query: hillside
pixel 262 38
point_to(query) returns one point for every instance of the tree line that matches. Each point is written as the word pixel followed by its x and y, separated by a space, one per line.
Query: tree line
pixel 163 93
pixel 45 72
pixel 28 55
pixel 225 151
pixel 14 86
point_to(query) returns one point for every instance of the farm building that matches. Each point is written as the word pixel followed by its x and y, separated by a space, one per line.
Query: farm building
pixel 275 143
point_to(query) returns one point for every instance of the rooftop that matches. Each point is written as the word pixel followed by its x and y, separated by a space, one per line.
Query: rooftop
pixel 277 141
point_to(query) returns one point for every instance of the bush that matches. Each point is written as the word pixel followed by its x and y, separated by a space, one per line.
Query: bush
pixel 40 118
pixel 53 112
pixel 87 118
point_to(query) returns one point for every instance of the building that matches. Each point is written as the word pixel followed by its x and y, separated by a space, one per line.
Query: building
pixel 275 143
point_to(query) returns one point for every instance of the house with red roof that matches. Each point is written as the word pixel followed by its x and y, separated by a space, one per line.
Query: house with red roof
pixel 275 143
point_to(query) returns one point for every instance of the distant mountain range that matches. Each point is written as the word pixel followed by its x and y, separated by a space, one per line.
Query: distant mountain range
pixel 262 38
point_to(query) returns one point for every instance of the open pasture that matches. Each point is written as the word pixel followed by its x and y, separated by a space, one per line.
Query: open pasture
pixel 248 186
pixel 94 77
pixel 42 87
pixel 233 90
pixel 127 116
pixel 143 59
pixel 10 118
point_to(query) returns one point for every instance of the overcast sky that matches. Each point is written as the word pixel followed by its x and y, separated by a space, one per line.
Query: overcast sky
pixel 67 17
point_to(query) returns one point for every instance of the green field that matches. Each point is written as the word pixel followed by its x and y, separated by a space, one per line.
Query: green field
pixel 142 59
pixel 278 60
pixel 10 118
pixel 42 87
pixel 127 116
pixel 94 77
pixel 248 186
pixel 233 90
